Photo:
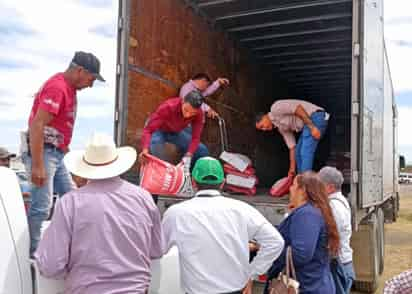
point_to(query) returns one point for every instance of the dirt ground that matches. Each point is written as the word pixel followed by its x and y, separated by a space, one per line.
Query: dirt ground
pixel 398 247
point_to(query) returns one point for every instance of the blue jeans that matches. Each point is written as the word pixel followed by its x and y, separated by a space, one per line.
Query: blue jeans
pixel 59 181
pixel 343 276
pixel 350 276
pixel 306 147
pixel 181 140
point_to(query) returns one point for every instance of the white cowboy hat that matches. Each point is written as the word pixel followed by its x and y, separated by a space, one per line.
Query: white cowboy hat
pixel 101 159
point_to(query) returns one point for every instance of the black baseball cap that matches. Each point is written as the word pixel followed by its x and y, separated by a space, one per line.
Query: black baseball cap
pixel 89 62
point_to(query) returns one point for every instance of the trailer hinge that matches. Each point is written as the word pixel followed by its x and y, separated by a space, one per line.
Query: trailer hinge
pixel 356 49
pixel 120 23
pixel 355 108
pixel 355 176
pixel 118 69
pixel 116 115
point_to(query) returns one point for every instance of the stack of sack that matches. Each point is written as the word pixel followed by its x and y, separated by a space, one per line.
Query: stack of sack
pixel 240 174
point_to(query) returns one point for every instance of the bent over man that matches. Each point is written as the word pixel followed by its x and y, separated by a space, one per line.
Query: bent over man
pixel 291 116
pixel 167 124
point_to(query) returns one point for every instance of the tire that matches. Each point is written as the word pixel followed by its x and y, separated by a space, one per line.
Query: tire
pixel 381 239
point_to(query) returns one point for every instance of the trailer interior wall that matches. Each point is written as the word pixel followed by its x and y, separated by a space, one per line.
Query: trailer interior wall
pixel 268 49
pixel 169 43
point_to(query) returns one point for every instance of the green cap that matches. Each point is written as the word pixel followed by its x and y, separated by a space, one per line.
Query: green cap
pixel 208 170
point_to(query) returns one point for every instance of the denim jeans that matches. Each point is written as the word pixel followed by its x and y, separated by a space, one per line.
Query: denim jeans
pixel 59 181
pixel 350 276
pixel 343 276
pixel 306 147
pixel 181 140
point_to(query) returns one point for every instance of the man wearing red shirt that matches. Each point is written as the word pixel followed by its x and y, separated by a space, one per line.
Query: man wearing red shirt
pixel 50 131
pixel 167 123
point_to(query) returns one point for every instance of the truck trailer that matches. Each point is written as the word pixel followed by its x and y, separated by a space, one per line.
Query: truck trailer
pixel 329 52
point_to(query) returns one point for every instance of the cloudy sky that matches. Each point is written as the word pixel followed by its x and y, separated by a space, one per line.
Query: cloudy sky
pixel 38 38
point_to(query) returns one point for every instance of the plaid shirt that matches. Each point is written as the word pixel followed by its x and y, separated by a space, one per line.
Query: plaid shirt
pixel 400 284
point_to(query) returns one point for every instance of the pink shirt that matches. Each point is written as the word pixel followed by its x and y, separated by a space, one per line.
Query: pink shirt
pixel 57 97
pixel 399 284
pixel 190 86
pixel 282 114
pixel 102 238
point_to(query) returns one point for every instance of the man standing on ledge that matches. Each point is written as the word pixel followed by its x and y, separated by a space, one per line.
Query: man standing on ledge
pixel 292 116
pixel 203 83
pixel 50 131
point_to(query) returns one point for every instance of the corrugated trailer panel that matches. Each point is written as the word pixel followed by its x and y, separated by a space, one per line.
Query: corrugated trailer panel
pixel 389 150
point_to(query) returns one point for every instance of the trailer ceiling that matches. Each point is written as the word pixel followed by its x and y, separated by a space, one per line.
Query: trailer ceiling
pixel 307 43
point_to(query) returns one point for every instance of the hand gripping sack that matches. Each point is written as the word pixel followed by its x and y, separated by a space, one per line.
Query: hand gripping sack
pixel 286 282
pixel 281 187
pixel 162 178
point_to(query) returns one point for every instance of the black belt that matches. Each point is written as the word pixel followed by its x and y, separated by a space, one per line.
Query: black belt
pixel 346 263
pixel 46 145
pixel 51 146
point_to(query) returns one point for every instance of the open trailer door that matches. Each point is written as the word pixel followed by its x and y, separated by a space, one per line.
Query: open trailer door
pixel 371 101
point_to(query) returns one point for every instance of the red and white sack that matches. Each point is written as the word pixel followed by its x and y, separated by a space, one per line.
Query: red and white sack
pixel 281 187
pixel 249 171
pixel 241 180
pixel 162 178
pixel 246 191
pixel 239 161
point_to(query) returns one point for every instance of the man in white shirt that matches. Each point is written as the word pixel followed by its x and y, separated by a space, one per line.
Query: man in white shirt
pixel 333 180
pixel 212 233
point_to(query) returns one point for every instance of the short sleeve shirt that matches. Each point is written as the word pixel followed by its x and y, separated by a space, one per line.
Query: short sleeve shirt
pixel 57 97
pixel 282 114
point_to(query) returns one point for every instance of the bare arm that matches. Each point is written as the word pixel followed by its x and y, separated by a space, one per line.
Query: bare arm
pixel 292 162
pixel 304 116
pixel 38 172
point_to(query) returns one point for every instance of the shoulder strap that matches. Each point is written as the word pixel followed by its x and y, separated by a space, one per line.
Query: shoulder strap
pixel 290 268
pixel 341 201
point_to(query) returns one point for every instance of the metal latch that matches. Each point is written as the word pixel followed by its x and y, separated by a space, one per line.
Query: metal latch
pixel 355 108
pixel 116 115
pixel 118 69
pixel 355 176
pixel 120 23
pixel 356 49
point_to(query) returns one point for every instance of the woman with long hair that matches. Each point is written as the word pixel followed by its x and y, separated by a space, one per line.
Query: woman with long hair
pixel 310 230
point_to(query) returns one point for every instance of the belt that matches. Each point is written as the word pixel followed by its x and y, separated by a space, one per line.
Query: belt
pixel 48 146
pixel 51 146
